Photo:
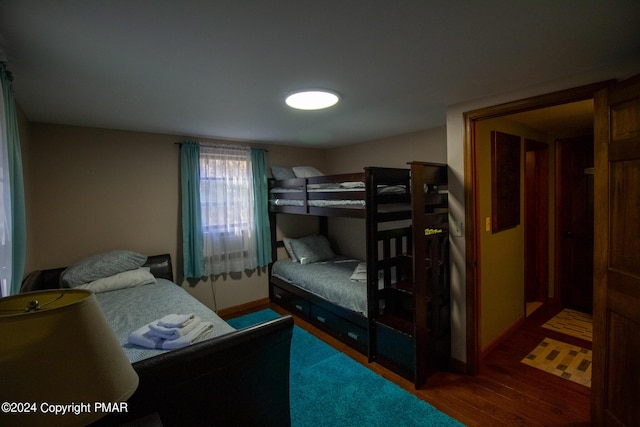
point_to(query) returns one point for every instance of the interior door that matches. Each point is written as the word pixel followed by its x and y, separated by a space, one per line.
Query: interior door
pixel 574 209
pixel 616 341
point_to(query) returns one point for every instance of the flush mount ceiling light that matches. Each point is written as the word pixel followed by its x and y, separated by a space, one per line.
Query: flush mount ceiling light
pixel 312 99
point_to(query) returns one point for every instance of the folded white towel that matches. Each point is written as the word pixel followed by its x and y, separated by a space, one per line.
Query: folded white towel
pixel 176 320
pixel 195 335
pixel 142 337
pixel 166 333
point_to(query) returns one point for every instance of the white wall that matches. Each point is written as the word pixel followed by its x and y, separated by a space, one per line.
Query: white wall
pixel 394 152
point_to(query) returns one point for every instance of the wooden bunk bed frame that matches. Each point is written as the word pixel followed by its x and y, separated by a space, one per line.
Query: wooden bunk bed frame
pixel 407 328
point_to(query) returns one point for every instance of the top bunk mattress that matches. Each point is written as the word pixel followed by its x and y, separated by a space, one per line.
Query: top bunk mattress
pixel 284 196
pixel 128 309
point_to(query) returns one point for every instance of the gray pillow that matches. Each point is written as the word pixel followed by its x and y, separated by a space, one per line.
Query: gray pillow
pixel 279 173
pixel 312 249
pixel 101 265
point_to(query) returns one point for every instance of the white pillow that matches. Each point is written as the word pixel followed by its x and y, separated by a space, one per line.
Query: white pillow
pixel 287 246
pixel 125 279
pixel 306 171
pixel 359 273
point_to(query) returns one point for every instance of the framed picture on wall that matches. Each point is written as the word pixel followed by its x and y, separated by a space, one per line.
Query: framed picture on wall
pixel 505 181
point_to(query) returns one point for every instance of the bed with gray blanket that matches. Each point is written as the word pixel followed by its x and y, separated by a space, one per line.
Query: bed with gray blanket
pixel 328 279
pixel 127 310
pixel 225 377
pixel 329 290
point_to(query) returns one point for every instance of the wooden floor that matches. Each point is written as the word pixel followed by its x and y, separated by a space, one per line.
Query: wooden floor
pixel 506 393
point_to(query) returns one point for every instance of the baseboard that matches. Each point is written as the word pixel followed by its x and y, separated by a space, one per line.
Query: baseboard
pixel 229 312
pixel 501 338
pixel 458 366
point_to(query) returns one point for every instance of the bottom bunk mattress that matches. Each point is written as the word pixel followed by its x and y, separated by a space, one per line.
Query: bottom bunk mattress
pixel 129 309
pixel 330 280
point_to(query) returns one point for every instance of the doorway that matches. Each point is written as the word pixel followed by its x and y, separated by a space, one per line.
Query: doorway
pixel 474 228
pixel 574 236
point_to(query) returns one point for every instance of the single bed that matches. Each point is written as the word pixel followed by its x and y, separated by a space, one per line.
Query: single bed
pixel 230 377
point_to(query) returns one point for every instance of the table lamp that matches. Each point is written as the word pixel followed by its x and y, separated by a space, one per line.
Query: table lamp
pixel 56 348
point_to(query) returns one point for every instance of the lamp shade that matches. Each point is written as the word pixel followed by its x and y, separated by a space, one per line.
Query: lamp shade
pixel 58 354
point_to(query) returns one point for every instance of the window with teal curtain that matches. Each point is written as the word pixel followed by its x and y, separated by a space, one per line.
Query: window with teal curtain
pixel 233 234
pixel 13 233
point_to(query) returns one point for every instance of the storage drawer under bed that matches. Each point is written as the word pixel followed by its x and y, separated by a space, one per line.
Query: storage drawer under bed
pixel 293 302
pixel 340 327
pixel 348 332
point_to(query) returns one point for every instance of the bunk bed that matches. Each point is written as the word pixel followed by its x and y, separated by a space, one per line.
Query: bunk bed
pixel 401 314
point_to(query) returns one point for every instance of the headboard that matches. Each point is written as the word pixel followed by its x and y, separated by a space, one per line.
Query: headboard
pixel 159 265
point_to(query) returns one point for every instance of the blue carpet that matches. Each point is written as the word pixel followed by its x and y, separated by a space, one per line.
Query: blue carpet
pixel 328 388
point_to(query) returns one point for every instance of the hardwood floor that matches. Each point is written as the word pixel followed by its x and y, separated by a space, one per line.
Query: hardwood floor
pixel 506 393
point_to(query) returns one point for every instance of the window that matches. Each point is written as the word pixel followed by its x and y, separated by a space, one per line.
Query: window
pixel 227 209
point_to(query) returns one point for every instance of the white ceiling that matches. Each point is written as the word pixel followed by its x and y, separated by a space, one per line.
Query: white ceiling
pixel 221 69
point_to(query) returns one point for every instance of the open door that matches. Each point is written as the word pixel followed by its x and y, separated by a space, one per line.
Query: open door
pixel 574 222
pixel 616 340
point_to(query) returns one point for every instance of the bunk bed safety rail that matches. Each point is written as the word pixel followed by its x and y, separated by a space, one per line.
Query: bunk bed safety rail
pixel 392 261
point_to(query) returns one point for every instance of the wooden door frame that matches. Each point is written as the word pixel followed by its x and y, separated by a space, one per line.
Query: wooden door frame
pixel 471 197
pixel 539 178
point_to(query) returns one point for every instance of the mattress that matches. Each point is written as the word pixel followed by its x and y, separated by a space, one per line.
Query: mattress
pixel 345 187
pixel 129 309
pixel 317 203
pixel 329 280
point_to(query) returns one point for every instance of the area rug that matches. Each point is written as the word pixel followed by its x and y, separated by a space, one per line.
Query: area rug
pixel 563 360
pixel 572 322
pixel 328 388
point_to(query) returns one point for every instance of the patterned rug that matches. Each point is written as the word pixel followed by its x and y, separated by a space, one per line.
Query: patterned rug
pixel 563 360
pixel 571 322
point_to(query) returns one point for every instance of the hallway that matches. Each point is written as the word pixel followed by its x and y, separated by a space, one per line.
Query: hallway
pixel 533 388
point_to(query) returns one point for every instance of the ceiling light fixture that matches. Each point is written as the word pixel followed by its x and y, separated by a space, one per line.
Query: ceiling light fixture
pixel 312 99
